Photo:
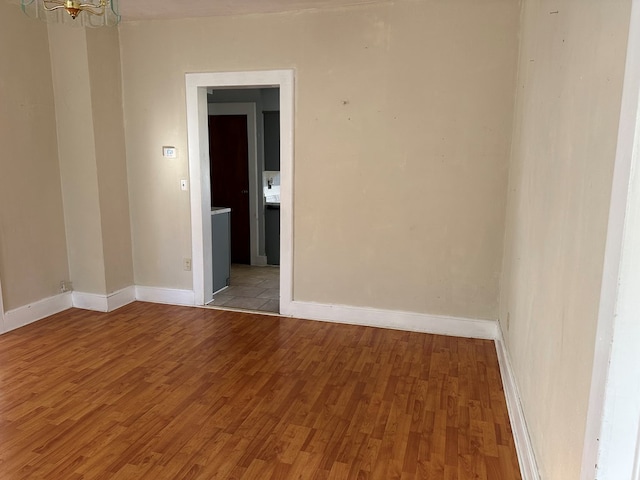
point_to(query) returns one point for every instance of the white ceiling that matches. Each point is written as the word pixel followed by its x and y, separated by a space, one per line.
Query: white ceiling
pixel 150 9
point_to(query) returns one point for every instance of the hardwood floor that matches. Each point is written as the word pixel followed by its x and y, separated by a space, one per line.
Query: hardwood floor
pixel 162 392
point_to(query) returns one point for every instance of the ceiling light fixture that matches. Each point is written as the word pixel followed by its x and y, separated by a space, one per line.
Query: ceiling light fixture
pixel 96 13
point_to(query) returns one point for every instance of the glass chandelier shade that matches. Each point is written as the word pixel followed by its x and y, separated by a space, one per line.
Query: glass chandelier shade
pixel 83 13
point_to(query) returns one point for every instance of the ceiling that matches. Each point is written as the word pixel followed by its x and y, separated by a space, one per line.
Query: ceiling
pixel 151 9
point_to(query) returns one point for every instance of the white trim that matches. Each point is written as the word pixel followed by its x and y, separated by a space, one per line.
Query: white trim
pixel 524 448
pixel 636 466
pixel 104 303
pixel 197 140
pixel 121 298
pixel 286 187
pixel 89 301
pixel 197 108
pixel 171 296
pixel 621 409
pixel 397 320
pixel 620 420
pixel 249 110
pixel 35 311
pixel 613 261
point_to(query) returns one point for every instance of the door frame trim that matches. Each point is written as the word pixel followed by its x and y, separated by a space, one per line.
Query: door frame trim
pixel 249 110
pixel 612 432
pixel 198 146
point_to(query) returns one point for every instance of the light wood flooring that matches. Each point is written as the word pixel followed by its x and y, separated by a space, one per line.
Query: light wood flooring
pixel 162 392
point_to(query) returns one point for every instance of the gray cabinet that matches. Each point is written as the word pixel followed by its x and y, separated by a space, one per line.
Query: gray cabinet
pixel 221 244
pixel 272 234
pixel 271 141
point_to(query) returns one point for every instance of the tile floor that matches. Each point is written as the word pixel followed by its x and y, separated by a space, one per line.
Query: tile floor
pixel 251 288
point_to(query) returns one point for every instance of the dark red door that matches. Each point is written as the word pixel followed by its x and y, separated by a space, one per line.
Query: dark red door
pixel 228 160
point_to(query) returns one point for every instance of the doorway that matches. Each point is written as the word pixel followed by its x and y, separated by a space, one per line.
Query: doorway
pixel 228 158
pixel 238 144
pixel 197 85
pixel 233 156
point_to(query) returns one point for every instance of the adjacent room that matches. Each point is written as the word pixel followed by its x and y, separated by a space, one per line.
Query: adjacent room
pixel 319 239
pixel 244 192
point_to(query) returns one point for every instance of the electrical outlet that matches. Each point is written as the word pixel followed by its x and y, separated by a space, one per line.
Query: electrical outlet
pixel 186 264
pixel 65 286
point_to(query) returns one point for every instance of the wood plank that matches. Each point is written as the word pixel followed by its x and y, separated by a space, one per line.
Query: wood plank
pixel 157 391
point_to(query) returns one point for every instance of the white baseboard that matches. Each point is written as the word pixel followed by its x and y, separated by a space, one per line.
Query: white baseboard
pixel 104 303
pixel 27 314
pixel 397 320
pixel 524 448
pixel 121 298
pixel 165 295
pixel 90 301
pixel 33 312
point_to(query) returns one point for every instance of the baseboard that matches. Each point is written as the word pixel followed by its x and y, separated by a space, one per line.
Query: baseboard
pixel 33 312
pixel 165 295
pixel 121 298
pixel 397 320
pixel 524 448
pixel 104 303
pixel 90 301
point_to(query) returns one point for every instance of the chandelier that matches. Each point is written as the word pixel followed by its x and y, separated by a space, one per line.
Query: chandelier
pixel 93 13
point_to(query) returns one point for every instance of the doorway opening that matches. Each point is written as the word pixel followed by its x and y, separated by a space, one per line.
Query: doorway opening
pixel 244 167
pixel 198 88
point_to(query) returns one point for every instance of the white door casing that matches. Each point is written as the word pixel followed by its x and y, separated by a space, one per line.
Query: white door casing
pixel 612 436
pixel 198 144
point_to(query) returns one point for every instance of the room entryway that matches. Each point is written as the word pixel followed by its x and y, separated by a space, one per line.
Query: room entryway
pixel 244 166
pixel 266 188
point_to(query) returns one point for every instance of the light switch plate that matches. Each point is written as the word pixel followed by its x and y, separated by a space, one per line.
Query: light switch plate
pixel 169 152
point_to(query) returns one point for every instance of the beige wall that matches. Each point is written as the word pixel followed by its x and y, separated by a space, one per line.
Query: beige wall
pixel 92 161
pixel 402 137
pixel 76 149
pixel 33 256
pixel 568 103
pixel 402 129
pixel 106 100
